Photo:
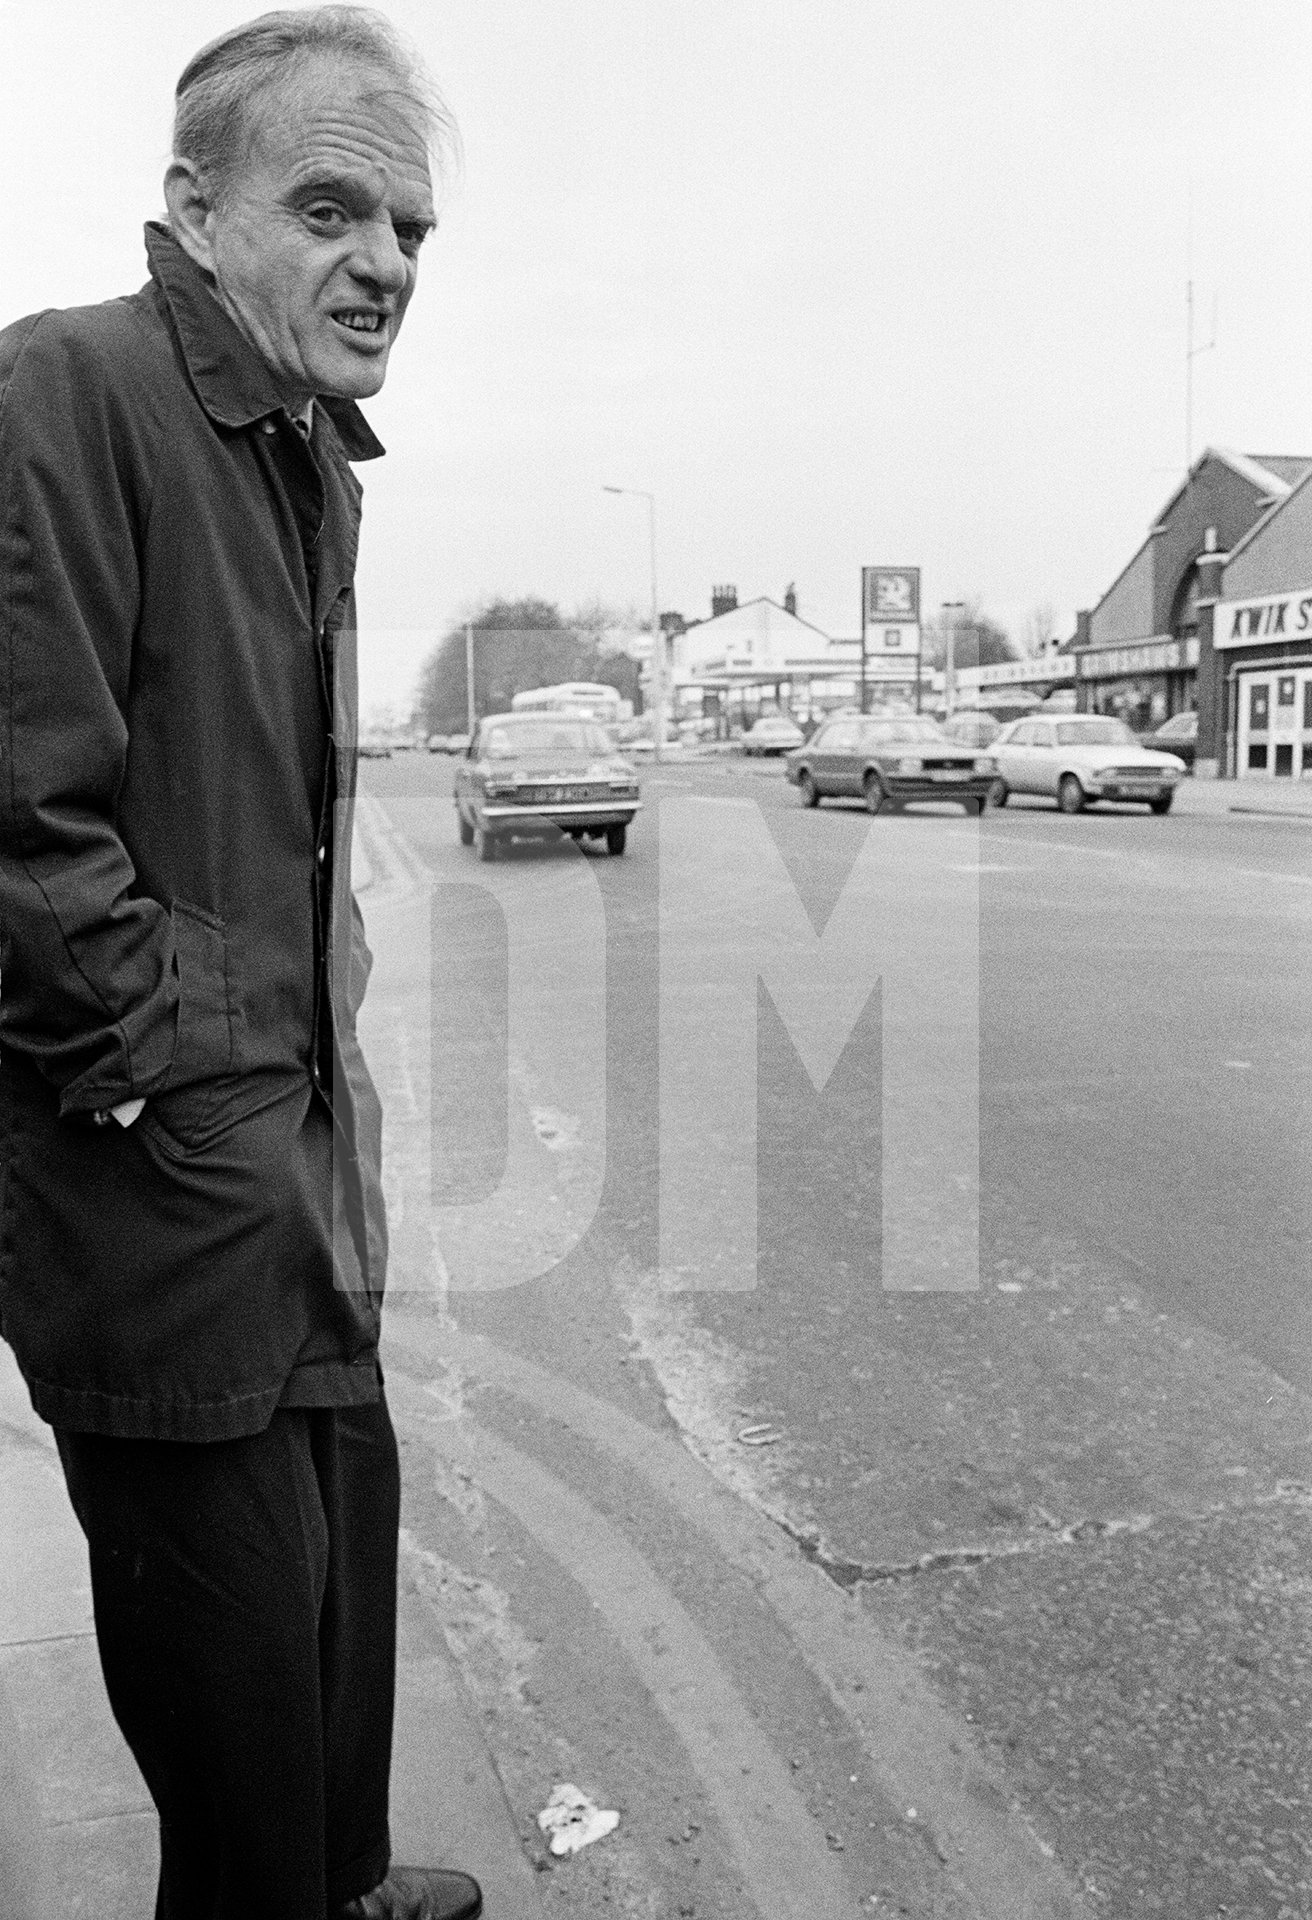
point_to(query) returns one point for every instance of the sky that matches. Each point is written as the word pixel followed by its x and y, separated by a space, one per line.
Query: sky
pixel 841 282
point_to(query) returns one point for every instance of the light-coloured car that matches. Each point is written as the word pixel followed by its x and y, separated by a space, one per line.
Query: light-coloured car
pixel 1081 757
pixel 773 733
pixel 533 775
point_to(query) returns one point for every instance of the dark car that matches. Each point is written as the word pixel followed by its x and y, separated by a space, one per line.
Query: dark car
pixel 1178 736
pixel 887 760
pixel 533 775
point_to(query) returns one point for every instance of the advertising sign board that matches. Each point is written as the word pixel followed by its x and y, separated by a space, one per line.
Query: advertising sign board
pixel 890 624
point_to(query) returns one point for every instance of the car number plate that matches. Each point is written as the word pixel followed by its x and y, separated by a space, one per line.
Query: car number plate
pixel 952 773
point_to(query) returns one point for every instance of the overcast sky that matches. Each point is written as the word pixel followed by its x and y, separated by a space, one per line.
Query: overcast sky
pixel 843 282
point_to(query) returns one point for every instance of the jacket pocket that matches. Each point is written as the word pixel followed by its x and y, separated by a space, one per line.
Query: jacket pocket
pixel 193 1119
pixel 204 1048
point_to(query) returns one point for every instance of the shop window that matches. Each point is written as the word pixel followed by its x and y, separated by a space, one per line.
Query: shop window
pixel 1256 757
pixel 1285 758
pixel 1307 705
pixel 1259 708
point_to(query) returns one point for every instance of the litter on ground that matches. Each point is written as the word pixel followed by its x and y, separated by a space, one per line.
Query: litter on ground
pixel 573 1821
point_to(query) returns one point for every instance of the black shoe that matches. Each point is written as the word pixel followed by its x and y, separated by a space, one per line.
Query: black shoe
pixel 418 1893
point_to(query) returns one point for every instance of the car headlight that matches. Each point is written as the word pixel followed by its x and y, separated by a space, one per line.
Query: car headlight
pixel 911 765
pixel 985 764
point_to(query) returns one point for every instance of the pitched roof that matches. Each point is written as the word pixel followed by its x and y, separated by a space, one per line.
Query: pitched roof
pixel 1272 474
pixel 1276 506
pixel 761 599
pixel 1290 467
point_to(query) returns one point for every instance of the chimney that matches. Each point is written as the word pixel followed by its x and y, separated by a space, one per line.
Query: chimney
pixel 1082 629
pixel 723 600
pixel 790 598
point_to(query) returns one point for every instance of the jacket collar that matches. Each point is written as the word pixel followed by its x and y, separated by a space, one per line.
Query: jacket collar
pixel 233 384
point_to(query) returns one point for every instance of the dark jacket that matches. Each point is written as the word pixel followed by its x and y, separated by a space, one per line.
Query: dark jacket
pixel 177 757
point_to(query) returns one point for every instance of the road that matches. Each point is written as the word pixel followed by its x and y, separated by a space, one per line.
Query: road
pixel 856 1586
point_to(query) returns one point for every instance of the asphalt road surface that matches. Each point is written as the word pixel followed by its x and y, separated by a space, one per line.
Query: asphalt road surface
pixel 856 1425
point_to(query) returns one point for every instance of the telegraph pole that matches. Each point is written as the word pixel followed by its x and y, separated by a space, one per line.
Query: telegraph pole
pixel 657 681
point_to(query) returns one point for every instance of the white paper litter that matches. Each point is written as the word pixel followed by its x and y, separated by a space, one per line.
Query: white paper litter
pixel 573 1821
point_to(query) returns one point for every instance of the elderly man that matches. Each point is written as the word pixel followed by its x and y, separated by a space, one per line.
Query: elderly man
pixel 193 1235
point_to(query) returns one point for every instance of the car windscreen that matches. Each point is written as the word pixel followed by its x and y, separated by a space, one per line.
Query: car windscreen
pixel 521 739
pixel 1094 733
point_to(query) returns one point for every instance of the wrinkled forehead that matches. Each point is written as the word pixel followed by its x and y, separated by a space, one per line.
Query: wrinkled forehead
pixel 334 118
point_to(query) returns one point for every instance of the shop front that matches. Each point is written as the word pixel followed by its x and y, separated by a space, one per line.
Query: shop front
pixel 1145 684
pixel 1263 648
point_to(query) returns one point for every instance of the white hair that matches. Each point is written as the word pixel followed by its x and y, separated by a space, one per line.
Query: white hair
pixel 224 87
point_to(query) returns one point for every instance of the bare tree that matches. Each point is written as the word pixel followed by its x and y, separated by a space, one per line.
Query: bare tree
pixel 980 641
pixel 1040 629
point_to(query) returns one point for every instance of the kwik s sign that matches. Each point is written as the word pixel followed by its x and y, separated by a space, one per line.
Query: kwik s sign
pixel 890 609
pixel 1250 623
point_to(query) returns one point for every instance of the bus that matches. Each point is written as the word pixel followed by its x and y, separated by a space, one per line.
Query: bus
pixel 589 699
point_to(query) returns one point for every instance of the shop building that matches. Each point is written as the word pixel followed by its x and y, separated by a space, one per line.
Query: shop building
pixel 1141 649
pixel 759 655
pixel 1255 705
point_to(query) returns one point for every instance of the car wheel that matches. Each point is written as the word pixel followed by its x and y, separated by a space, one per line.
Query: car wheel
pixel 876 793
pixel 1162 804
pixel 466 831
pixel 485 843
pixel 1070 794
pixel 808 789
pixel 616 839
pixel 999 794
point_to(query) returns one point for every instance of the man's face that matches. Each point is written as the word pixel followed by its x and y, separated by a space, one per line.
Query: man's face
pixel 315 245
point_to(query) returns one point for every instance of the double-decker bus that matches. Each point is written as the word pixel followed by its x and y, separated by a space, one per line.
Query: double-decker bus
pixel 589 699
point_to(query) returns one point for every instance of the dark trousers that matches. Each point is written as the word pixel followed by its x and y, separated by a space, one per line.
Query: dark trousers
pixel 245 1604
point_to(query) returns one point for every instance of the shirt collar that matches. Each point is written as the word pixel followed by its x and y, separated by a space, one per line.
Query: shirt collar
pixel 233 384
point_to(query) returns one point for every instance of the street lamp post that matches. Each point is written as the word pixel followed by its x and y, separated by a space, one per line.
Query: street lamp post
pixel 657 637
pixel 954 607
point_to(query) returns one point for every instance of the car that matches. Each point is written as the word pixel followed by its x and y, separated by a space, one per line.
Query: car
pixel 972 728
pixel 1082 757
pixel 773 733
pixel 887 760
pixel 533 775
pixel 1178 736
pixel 373 746
pixel 638 736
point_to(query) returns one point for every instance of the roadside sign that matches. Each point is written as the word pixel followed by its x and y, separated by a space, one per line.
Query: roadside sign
pixel 890 625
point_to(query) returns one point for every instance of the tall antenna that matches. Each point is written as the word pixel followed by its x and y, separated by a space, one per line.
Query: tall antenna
pixel 1191 348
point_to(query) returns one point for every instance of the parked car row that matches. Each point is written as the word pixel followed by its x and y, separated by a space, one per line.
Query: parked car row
pixel 887 761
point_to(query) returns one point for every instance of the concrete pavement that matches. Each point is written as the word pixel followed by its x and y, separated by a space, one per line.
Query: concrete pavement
pixel 78 1832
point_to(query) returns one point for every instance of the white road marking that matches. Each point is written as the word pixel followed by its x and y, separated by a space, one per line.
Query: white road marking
pixel 1058 846
pixel 780 1850
pixel 915 1749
